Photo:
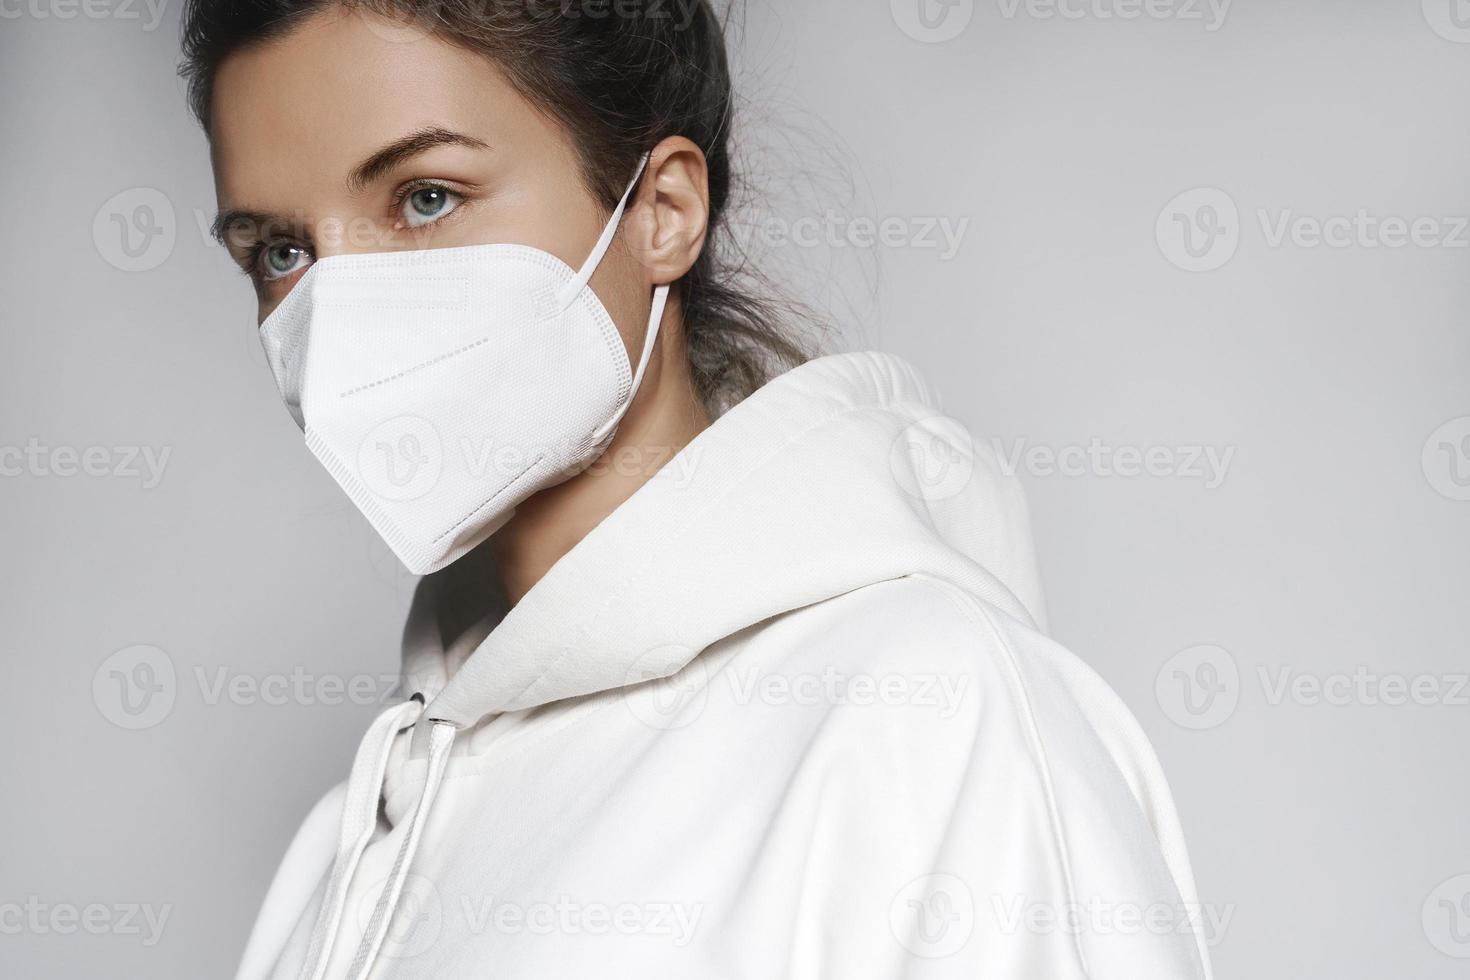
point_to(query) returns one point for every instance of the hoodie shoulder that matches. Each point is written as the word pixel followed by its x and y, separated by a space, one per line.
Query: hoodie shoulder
pixel 985 759
pixel 899 627
pixel 987 675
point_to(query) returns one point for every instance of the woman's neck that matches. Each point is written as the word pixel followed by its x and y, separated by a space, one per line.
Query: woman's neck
pixel 665 416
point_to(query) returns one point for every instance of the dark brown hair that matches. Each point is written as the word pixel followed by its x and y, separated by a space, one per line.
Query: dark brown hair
pixel 620 75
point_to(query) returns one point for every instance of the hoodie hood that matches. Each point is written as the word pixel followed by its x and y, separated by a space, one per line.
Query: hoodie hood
pixel 841 473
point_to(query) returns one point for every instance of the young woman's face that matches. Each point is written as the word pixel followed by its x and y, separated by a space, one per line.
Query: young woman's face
pixel 353 134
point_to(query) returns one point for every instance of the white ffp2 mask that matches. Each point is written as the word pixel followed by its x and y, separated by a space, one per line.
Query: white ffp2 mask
pixel 442 387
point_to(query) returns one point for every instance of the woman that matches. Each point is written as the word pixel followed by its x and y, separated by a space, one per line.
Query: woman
pixel 764 696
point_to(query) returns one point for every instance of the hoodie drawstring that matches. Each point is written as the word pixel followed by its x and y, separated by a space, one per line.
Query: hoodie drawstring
pixel 440 741
pixel 359 820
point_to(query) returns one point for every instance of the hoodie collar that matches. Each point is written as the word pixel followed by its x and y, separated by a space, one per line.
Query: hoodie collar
pixel 816 485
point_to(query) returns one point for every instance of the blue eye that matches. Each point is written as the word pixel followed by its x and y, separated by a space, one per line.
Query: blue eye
pixel 281 259
pixel 428 204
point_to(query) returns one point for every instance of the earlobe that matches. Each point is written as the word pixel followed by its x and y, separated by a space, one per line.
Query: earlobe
pixel 672 219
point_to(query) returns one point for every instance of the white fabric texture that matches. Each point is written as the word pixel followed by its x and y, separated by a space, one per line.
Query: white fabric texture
pixel 790 711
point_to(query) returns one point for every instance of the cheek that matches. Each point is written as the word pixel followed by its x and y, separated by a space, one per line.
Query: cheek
pixel 619 285
pixel 266 304
pixel 270 294
pixel 533 210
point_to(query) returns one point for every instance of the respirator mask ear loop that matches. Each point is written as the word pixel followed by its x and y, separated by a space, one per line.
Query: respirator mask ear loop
pixel 568 294
pixel 655 320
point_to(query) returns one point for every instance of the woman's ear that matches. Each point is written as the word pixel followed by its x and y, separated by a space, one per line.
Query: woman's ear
pixel 669 217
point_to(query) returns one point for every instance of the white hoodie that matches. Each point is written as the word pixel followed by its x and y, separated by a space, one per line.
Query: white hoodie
pixel 790 711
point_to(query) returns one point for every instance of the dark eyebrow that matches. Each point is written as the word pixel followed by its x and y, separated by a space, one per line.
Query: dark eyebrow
pixel 411 145
pixel 257 220
pixel 365 173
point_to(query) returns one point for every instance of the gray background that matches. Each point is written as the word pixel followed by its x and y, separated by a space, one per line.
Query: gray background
pixel 1335 544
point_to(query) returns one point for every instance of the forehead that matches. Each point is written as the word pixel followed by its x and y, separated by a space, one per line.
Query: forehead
pixel 305 108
